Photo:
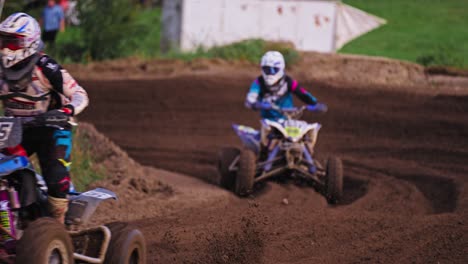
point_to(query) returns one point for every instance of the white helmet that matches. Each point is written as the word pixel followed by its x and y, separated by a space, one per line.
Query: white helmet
pixel 20 38
pixel 272 67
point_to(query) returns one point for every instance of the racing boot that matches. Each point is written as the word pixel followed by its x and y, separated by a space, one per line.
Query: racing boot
pixel 58 207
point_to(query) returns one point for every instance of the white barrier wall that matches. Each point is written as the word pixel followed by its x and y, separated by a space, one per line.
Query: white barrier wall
pixel 310 25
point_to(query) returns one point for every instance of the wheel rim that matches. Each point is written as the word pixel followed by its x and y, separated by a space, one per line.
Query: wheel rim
pixel 135 257
pixel 57 253
pixel 55 257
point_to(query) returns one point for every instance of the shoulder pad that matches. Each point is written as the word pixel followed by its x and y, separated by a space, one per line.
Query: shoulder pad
pixel 52 71
pixel 46 62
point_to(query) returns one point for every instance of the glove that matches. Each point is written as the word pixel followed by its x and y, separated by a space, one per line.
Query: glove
pixel 263 105
pixel 321 108
pixel 56 117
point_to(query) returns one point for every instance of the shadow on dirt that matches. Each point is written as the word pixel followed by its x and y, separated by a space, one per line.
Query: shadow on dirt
pixel 441 192
pixel 353 188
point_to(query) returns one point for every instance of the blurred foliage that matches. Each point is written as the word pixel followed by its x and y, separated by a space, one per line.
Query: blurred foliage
pixel 249 50
pixel 107 27
pixel 11 7
pixel 116 30
pixel 70 46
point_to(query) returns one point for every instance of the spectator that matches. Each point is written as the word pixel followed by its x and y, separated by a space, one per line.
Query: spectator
pixel 64 4
pixel 52 21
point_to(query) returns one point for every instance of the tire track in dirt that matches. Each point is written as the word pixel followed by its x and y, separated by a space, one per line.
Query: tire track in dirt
pixel 405 199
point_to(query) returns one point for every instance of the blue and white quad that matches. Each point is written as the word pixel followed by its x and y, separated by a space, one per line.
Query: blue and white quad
pixel 29 235
pixel 290 153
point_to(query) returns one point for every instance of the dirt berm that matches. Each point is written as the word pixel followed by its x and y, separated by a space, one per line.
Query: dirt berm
pixel 401 133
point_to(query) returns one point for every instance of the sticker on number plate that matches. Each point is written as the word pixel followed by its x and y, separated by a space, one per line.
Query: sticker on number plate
pixel 101 194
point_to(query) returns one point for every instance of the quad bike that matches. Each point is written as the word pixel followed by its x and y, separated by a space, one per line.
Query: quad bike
pixel 29 235
pixel 290 153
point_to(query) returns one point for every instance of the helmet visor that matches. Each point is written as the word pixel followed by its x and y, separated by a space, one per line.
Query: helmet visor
pixel 268 70
pixel 11 42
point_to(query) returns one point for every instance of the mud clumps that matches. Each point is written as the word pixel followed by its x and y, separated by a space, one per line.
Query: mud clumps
pixel 243 246
pixel 143 185
pixel 170 241
pixel 240 240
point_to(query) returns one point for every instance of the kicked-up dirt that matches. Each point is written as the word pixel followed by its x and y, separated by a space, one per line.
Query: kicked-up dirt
pixel 405 160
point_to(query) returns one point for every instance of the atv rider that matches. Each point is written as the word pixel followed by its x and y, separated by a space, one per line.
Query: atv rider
pixel 33 84
pixel 274 89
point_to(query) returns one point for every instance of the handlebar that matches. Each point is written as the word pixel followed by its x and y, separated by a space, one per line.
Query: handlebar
pixel 43 121
pixel 318 108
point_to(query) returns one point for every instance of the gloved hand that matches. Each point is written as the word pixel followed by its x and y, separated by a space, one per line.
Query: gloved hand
pixel 319 107
pixel 263 105
pixel 56 117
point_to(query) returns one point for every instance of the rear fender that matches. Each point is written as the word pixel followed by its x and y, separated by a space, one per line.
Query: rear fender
pixel 82 206
pixel 249 137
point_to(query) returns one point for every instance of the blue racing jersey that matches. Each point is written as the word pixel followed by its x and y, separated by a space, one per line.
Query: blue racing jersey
pixel 279 94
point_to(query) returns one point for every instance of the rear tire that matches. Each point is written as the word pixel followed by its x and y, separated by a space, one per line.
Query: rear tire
pixel 245 173
pixel 45 241
pixel 227 178
pixel 334 180
pixel 127 245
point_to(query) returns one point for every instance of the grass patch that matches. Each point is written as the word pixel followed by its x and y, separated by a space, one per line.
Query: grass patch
pixel 427 32
pixel 83 169
pixel 248 50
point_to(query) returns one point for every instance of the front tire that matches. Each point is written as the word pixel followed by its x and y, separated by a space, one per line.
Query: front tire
pixel 127 245
pixel 334 180
pixel 245 173
pixel 45 241
pixel 226 157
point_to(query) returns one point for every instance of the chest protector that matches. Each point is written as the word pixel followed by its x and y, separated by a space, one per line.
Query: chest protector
pixel 275 92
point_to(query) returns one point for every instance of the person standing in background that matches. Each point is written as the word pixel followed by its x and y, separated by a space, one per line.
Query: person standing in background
pixel 52 21
pixel 64 4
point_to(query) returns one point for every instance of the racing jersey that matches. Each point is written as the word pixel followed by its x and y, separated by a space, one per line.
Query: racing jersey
pixel 280 94
pixel 49 87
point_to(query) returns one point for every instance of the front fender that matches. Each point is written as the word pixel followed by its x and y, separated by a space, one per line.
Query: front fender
pixel 314 127
pixel 82 206
pixel 10 164
pixel 249 137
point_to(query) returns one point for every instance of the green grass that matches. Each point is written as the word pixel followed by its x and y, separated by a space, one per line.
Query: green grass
pixel 149 36
pixel 83 170
pixel 248 50
pixel 430 32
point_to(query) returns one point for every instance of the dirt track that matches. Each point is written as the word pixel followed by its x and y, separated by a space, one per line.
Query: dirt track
pixel 406 174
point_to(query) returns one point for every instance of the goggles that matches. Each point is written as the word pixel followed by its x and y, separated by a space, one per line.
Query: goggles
pixel 268 70
pixel 11 42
